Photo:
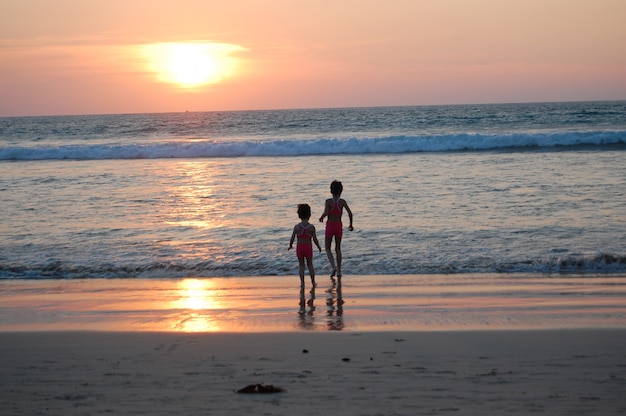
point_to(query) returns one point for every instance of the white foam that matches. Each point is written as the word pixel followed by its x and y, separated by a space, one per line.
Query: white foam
pixel 303 147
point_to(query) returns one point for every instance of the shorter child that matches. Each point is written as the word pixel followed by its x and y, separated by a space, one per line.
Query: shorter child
pixel 304 249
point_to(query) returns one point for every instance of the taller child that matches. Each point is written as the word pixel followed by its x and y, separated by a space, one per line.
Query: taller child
pixel 333 209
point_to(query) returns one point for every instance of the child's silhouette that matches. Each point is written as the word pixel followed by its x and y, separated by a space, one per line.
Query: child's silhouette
pixel 304 248
pixel 333 208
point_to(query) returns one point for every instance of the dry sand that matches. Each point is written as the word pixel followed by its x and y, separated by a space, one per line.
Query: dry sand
pixel 553 372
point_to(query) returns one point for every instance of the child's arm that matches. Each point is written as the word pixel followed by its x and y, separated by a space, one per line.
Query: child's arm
pixel 314 235
pixel 327 207
pixel 293 237
pixel 349 211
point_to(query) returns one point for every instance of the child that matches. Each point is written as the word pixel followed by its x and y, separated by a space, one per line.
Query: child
pixel 333 208
pixel 304 248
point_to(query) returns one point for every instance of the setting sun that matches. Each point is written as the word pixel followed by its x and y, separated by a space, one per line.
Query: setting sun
pixel 192 64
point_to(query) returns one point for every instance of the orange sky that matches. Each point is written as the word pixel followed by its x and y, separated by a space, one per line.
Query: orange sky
pixel 85 57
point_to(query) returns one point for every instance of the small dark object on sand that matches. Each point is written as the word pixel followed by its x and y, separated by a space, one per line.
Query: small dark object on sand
pixel 260 388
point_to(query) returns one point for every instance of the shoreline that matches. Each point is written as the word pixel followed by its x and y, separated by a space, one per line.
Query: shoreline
pixel 397 345
pixel 276 304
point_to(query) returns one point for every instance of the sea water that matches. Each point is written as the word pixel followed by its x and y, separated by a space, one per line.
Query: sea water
pixel 534 189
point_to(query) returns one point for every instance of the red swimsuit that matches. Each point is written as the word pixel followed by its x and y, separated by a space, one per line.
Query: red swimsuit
pixel 304 249
pixel 334 228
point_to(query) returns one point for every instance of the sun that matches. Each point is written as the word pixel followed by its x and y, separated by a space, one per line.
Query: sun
pixel 192 64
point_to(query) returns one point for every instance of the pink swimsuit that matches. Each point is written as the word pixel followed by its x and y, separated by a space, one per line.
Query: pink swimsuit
pixel 304 249
pixel 334 228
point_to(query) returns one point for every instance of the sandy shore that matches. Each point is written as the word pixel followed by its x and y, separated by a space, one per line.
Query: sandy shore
pixel 383 345
pixel 555 372
pixel 275 304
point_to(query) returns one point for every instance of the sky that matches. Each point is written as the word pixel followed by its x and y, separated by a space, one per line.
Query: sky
pixel 66 57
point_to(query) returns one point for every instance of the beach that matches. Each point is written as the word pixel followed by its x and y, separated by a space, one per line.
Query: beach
pixel 249 304
pixel 125 346
pixel 361 373
pixel 145 269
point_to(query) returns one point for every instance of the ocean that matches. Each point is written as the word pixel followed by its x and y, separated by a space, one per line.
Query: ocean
pixel 502 188
pixel 507 216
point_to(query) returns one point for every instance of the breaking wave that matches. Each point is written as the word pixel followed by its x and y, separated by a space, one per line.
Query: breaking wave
pixel 321 146
pixel 601 263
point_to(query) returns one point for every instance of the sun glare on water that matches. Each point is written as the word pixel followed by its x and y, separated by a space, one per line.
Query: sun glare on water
pixel 192 64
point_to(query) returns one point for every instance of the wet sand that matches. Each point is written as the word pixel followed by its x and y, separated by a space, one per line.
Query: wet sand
pixel 276 304
pixel 374 345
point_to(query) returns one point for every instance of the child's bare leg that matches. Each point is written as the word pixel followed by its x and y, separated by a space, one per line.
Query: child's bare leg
pixel 328 241
pixel 301 270
pixel 311 271
pixel 302 302
pixel 338 250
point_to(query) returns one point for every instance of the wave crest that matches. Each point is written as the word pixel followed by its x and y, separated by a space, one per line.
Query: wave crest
pixel 324 146
pixel 601 263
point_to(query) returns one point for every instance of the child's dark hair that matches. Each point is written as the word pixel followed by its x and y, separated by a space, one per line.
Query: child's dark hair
pixel 304 211
pixel 336 188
